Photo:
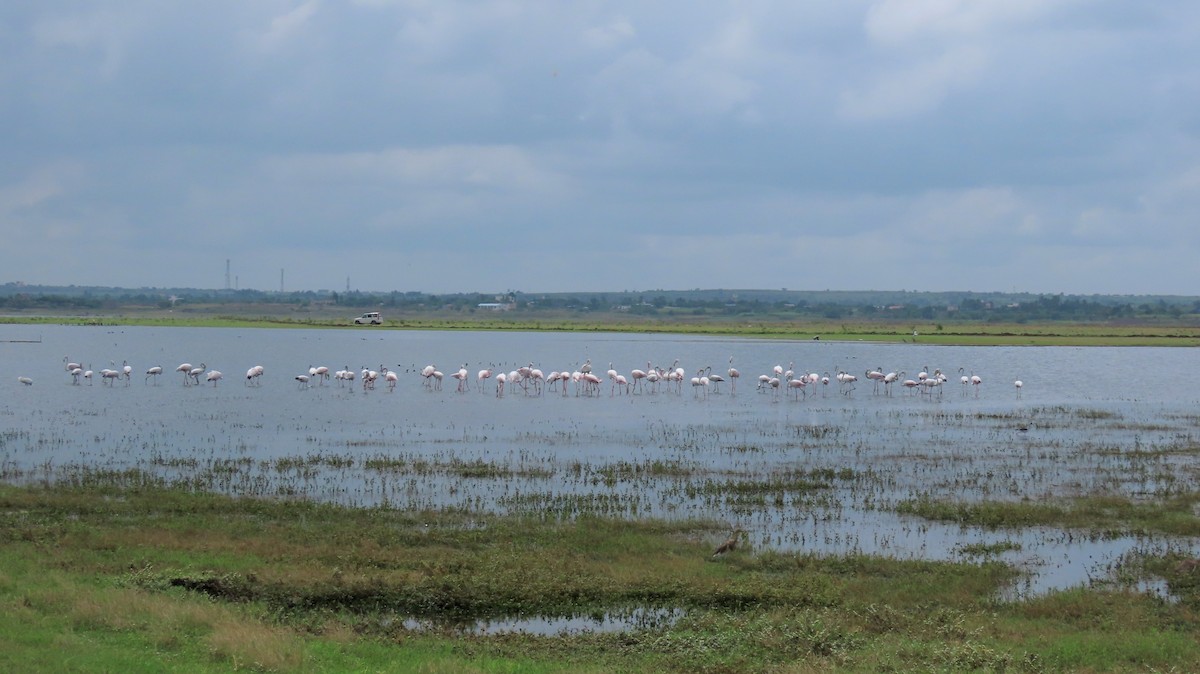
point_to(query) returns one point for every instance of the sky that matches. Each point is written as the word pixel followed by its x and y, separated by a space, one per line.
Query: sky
pixel 1046 146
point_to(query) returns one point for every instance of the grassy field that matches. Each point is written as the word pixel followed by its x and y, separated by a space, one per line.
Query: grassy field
pixel 151 580
pixel 1148 333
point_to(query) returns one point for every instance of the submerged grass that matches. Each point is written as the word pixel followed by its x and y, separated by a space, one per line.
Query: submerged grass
pixel 1105 515
pixel 150 579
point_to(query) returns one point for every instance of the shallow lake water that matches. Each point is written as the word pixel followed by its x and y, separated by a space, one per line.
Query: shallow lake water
pixel 820 470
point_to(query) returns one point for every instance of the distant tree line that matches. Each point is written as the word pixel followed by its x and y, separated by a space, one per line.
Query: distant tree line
pixel 780 304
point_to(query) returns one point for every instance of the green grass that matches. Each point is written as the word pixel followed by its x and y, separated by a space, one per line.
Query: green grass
pixel 1101 515
pixel 152 580
pixel 966 333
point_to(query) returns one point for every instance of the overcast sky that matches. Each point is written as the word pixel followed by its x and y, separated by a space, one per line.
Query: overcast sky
pixel 992 145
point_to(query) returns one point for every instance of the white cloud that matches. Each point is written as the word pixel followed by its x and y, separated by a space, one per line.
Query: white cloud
pixel 915 88
pixel 284 27
pixel 609 35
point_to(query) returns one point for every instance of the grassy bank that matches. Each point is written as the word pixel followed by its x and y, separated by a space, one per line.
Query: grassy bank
pixel 164 580
pixel 964 333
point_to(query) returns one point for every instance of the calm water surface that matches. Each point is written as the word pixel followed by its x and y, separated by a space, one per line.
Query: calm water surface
pixel 1087 420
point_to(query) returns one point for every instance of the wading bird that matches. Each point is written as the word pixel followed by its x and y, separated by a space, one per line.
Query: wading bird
pixel 730 543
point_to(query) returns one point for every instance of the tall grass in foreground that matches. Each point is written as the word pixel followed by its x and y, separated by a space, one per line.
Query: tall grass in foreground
pixel 150 580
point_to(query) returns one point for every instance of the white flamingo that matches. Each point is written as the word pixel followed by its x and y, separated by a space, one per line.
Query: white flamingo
pixel 108 376
pixel 714 379
pixel 195 373
pixel 1019 385
pixel 214 376
pixel 253 374
pixel 889 379
pixel 25 380
pixel 427 373
pixel 733 376
pixel 153 372
pixel 764 380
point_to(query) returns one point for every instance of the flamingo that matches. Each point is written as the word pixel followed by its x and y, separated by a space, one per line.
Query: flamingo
pixel 153 372
pixel 846 382
pixel 391 379
pixel 638 375
pixel 75 375
pixel 889 379
pixel 539 378
pixel 876 376
pixel 461 376
pixel 25 380
pixel 369 377
pixel 483 376
pixel 87 374
pixel 70 366
pixel 500 379
pixel 185 368
pixel 774 382
pixel 622 382
pixel 127 370
pixel 733 376
pixel 195 373
pixel 764 380
pixel 796 386
pixel 302 380
pixel 320 373
pixel 427 373
pixel 214 376
pixel 930 383
pixel 1019 384
pixel 653 377
pixel 591 383
pixel 976 380
pixel 715 379
pixel 109 376
pixel 253 374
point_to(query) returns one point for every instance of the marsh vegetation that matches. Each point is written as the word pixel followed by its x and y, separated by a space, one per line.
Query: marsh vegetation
pixel 151 528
